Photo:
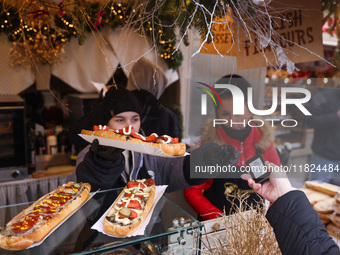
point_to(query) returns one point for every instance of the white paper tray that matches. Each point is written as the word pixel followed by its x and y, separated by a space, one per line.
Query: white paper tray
pixel 142 148
pixel 99 225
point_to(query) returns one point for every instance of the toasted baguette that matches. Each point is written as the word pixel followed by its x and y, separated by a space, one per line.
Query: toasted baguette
pixel 117 229
pixel 323 187
pixel 335 218
pixel 333 230
pixel 325 221
pixel 325 216
pixel 336 207
pixel 337 197
pixel 314 196
pixel 11 241
pixel 324 206
pixel 172 149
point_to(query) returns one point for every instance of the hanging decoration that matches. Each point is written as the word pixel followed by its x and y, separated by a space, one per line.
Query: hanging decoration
pixel 40 28
pixel 331 9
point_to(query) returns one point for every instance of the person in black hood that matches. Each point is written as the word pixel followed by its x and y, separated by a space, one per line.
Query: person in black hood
pixel 106 167
pixel 148 82
pixel 325 119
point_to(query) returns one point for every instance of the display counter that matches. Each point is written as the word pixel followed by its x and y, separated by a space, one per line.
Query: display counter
pixel 29 189
pixel 170 230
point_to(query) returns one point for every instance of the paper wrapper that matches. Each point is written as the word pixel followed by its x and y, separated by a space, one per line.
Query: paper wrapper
pixel 142 148
pixel 99 225
pixel 38 243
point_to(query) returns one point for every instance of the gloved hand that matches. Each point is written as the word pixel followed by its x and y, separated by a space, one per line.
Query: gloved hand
pixel 105 152
pixel 220 154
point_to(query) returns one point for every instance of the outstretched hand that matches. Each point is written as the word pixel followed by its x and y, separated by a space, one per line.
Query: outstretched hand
pixel 277 185
pixel 106 152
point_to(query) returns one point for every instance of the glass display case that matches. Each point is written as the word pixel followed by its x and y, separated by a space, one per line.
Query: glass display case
pixel 171 230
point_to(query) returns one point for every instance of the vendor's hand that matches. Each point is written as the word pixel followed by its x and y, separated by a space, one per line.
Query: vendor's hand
pixel 277 185
pixel 223 155
pixel 105 152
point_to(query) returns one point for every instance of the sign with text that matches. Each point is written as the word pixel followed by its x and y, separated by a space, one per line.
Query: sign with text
pixel 224 40
pixel 297 29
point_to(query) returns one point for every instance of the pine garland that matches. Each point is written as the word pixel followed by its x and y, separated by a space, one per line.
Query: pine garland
pixel 49 23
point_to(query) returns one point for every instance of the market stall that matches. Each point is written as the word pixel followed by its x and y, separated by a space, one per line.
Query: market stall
pixel 92 46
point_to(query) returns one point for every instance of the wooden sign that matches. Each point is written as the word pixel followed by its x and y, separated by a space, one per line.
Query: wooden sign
pixel 224 40
pixel 297 28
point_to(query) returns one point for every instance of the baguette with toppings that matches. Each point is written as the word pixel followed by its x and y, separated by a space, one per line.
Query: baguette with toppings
pixel 130 208
pixel 40 218
pixel 167 144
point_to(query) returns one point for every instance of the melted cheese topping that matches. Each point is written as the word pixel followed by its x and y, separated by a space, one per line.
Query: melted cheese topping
pixel 132 194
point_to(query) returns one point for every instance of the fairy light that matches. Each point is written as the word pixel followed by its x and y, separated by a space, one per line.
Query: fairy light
pixel 43 43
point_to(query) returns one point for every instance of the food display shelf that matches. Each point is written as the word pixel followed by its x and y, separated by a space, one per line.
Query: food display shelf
pixel 171 230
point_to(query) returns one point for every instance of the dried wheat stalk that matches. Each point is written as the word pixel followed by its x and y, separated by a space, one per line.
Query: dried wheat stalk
pixel 247 232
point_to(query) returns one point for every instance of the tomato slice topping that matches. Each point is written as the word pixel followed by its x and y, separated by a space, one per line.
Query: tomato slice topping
pixel 95 128
pixel 136 195
pixel 133 215
pixel 134 184
pixel 134 204
pixel 149 182
pixel 174 140
pixel 151 138
pixel 137 136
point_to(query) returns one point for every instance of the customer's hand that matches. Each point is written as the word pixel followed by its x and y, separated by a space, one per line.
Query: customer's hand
pixel 105 152
pixel 277 185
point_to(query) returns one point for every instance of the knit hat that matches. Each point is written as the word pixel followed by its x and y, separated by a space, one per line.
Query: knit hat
pixel 119 99
pixel 236 80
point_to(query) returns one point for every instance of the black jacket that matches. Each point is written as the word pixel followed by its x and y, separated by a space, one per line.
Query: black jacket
pixel 103 175
pixel 326 124
pixel 298 228
pixel 156 118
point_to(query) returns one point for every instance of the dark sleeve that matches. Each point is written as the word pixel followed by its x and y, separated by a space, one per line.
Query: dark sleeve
pixel 94 117
pixel 298 228
pixel 323 121
pixel 196 158
pixel 322 117
pixel 100 174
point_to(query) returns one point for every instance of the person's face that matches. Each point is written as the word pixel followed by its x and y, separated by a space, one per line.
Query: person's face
pixel 125 119
pixel 226 112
